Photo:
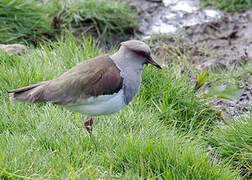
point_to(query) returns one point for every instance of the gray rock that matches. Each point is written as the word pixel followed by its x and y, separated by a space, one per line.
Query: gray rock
pixel 13 48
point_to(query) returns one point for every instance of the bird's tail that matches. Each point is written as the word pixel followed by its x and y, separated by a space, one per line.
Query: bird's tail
pixel 33 93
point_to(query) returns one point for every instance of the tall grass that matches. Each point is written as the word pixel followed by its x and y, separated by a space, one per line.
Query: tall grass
pixel 234 143
pixel 173 96
pixel 239 76
pixel 23 21
pixel 45 141
pixel 104 19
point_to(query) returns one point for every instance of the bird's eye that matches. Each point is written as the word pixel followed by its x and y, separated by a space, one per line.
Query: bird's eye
pixel 140 53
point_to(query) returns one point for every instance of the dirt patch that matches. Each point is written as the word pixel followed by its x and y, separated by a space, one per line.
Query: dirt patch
pixel 229 40
pixel 169 48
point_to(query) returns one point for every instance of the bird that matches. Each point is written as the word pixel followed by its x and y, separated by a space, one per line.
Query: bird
pixel 98 86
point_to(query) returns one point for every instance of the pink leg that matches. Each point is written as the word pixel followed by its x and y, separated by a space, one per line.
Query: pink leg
pixel 88 124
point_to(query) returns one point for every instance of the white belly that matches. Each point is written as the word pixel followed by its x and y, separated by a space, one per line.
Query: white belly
pixel 100 105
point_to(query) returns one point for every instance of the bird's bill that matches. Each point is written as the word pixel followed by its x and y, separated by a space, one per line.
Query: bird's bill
pixel 153 62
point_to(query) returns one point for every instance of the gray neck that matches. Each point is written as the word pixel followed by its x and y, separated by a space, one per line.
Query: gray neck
pixel 130 65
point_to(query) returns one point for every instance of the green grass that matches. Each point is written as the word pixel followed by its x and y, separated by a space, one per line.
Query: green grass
pixel 172 95
pixel 155 137
pixel 106 19
pixel 234 143
pixel 23 21
pixel 239 76
pixel 229 5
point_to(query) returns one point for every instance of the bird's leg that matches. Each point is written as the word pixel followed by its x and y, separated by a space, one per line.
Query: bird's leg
pixel 88 124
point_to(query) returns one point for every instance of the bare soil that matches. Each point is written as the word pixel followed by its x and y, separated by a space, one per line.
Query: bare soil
pixel 229 40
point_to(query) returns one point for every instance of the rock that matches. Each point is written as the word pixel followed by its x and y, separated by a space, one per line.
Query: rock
pixel 13 48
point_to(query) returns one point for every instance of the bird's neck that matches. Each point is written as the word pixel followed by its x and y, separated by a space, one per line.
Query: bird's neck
pixel 131 67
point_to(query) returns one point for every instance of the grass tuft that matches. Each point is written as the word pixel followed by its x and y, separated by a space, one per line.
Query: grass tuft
pixel 234 143
pixel 23 21
pixel 168 157
pixel 173 96
pixel 104 19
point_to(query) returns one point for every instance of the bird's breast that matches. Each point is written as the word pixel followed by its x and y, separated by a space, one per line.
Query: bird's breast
pixel 100 105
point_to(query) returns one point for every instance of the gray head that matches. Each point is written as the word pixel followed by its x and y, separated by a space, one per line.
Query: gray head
pixel 140 50
pixel 137 46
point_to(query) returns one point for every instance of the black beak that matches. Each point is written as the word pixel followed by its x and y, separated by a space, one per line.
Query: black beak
pixel 151 61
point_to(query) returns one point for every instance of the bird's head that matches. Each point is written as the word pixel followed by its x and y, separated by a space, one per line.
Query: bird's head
pixel 141 50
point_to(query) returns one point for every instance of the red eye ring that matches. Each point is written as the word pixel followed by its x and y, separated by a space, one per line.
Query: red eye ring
pixel 140 53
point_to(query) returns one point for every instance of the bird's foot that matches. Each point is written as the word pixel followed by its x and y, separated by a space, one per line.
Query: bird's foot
pixel 88 124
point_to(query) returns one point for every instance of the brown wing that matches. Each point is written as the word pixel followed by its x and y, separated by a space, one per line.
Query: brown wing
pixel 98 76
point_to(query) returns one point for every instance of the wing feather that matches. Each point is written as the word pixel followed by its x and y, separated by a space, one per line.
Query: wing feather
pixel 98 76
